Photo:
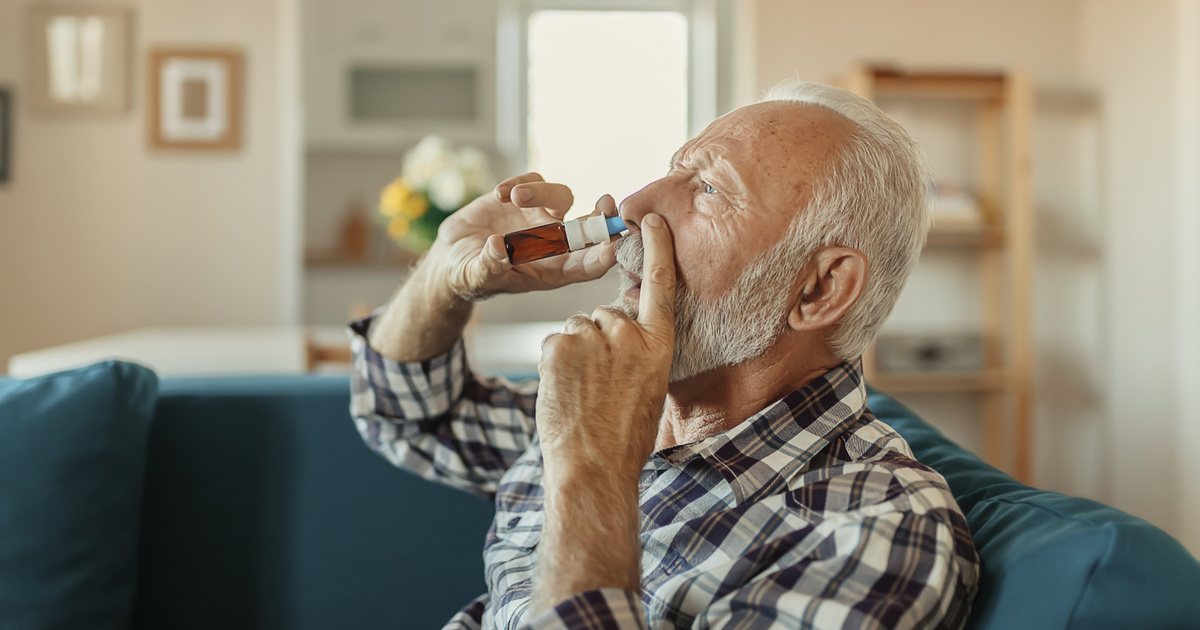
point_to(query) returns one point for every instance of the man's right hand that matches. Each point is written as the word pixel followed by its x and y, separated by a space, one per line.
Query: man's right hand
pixel 470 251
pixel 467 261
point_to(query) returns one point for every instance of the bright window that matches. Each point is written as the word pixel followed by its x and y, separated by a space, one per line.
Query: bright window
pixel 608 99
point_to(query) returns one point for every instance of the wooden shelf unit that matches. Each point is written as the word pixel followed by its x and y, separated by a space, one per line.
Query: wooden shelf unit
pixel 917 382
pixel 984 237
pixel 1005 244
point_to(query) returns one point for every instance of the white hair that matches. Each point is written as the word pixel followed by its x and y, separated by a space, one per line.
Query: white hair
pixel 873 199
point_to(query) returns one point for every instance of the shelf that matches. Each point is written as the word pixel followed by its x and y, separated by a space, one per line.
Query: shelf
pixel 950 237
pixel 898 383
pixel 981 87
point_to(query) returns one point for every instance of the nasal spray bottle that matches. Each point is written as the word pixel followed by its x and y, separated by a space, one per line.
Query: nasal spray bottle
pixel 553 239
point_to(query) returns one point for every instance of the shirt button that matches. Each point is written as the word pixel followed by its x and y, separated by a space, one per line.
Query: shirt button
pixel 513 522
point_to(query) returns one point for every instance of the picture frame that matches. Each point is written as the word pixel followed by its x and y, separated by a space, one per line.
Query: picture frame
pixel 79 58
pixel 196 98
pixel 6 126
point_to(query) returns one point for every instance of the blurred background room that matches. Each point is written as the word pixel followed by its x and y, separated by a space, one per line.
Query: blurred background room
pixel 218 186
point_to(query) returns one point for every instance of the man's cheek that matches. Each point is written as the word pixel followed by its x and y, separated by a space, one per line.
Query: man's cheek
pixel 688 278
pixel 694 261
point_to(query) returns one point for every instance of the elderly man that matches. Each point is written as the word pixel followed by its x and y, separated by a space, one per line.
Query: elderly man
pixel 699 453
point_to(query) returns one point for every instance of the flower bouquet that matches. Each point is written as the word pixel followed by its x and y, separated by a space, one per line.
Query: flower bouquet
pixel 436 180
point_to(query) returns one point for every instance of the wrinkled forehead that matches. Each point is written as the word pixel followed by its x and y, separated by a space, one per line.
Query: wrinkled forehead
pixel 774 131
pixel 778 148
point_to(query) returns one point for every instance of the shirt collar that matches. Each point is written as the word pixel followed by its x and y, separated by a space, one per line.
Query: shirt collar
pixel 762 453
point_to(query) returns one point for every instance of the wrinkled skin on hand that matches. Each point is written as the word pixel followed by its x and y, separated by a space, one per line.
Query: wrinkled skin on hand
pixel 470 244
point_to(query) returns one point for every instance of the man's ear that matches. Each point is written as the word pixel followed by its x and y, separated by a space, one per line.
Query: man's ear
pixel 833 281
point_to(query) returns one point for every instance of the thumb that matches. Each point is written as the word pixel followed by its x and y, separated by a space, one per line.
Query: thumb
pixel 491 263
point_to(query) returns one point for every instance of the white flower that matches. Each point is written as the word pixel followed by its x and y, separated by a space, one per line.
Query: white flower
pixel 475 169
pixel 431 155
pixel 449 177
pixel 448 189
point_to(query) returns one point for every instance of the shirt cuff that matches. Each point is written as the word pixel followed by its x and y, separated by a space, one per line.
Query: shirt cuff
pixel 395 389
pixel 603 608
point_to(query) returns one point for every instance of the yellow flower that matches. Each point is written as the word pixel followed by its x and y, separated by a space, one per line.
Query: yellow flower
pixel 394 197
pixel 414 207
pixel 397 227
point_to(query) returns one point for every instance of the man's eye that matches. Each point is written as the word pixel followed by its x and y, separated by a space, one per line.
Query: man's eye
pixel 708 188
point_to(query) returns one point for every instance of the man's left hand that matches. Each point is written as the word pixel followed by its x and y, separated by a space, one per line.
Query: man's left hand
pixel 603 385
pixel 604 379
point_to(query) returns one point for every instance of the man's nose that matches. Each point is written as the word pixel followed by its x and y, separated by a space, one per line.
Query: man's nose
pixel 637 205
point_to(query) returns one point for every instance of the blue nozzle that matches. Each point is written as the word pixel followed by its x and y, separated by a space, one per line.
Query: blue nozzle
pixel 615 225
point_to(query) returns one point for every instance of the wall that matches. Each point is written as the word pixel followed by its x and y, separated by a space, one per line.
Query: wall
pixel 1145 63
pixel 99 233
pixel 1128 53
pixel 1188 264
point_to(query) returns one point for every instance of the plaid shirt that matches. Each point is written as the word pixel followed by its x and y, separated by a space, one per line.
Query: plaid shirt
pixel 809 514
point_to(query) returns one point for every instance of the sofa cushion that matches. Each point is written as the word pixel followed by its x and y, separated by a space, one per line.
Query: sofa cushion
pixel 264 509
pixel 72 459
pixel 1053 561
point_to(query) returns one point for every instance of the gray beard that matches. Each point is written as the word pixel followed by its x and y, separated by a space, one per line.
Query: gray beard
pixel 738 326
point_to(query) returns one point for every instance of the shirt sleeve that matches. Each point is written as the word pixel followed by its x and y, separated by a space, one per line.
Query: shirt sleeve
pixel 599 609
pixel 438 419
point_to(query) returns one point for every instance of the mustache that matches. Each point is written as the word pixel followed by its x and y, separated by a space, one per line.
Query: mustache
pixel 631 253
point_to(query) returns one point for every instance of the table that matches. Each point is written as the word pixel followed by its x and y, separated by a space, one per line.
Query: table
pixel 191 351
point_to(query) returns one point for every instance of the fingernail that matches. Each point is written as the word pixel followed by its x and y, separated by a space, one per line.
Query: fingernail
pixel 524 194
pixel 496 253
pixel 501 193
pixel 653 220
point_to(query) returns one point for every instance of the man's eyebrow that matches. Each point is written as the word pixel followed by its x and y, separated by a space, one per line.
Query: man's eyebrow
pixel 729 174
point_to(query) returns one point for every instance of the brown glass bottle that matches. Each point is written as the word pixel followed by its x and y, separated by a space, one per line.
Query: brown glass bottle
pixel 536 243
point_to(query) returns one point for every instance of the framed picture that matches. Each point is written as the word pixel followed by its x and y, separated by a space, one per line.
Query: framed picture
pixel 79 58
pixel 6 115
pixel 196 99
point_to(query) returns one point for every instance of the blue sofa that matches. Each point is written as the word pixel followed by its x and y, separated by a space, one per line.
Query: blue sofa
pixel 261 508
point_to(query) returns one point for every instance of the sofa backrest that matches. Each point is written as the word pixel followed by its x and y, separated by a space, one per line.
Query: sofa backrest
pixel 263 509
pixel 1053 561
